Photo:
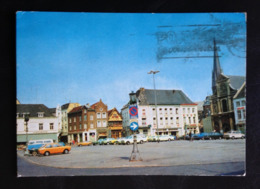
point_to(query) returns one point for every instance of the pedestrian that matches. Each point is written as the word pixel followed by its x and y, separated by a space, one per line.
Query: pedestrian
pixel 190 136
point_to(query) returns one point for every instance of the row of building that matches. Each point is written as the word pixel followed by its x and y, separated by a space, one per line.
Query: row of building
pixel 177 115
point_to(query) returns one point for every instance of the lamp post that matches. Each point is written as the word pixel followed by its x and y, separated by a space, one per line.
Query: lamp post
pixel 155 100
pixel 26 119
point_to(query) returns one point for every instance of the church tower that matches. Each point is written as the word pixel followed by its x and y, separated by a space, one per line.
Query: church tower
pixel 217 71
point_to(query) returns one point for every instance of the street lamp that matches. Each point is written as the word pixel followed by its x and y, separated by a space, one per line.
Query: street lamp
pixel 26 119
pixel 155 99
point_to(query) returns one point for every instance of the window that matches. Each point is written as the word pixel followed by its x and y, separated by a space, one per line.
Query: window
pixel 51 126
pixel 145 131
pixel 80 118
pixel 80 127
pixel 243 103
pixel 40 126
pixel 104 115
pixel 193 110
pixel 160 110
pixel 224 105
pixel 91 117
pixel 177 110
pixel 85 126
pixel 184 120
pixel 99 123
pixel 143 121
pixel 91 125
pixel 161 121
pixel 70 120
pixel 188 110
pixel 177 120
pixel 85 117
pixel 194 121
pixel 189 120
pixel 85 111
pixel 237 103
pixel 104 123
pixel 74 119
pixel 239 114
pixel 98 115
pixel 40 114
pixel 70 128
pixel 75 127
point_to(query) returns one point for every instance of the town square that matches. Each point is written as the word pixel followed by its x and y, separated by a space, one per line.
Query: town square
pixel 131 94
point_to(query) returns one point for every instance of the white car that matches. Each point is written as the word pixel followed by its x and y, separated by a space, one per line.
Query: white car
pixel 130 139
pixel 233 135
pixel 166 138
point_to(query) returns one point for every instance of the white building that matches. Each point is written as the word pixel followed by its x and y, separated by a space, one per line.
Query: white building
pixel 176 113
pixel 42 124
pixel 239 103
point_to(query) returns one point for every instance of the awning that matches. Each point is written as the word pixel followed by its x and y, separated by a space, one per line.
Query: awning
pixel 102 134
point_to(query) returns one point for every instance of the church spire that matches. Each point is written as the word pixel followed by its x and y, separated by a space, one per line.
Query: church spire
pixel 216 67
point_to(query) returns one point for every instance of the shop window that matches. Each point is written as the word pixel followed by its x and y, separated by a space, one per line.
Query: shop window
pixel 239 116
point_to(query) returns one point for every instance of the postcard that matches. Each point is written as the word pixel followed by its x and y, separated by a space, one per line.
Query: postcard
pixel 130 94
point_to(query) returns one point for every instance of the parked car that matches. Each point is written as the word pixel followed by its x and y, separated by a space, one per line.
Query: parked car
pixel 153 138
pixel 53 148
pixel 184 137
pixel 215 135
pixel 85 143
pixel 233 135
pixel 201 136
pixel 100 141
pixel 34 145
pixel 166 138
pixel 121 140
pixel 61 143
pixel 174 137
pixel 130 139
pixel 110 141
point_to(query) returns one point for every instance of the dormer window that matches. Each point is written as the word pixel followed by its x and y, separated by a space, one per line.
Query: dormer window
pixel 40 114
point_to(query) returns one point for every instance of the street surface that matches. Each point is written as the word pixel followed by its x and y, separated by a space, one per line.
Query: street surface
pixel 211 157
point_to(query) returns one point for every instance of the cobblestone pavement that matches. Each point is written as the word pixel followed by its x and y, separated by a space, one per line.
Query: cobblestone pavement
pixel 161 154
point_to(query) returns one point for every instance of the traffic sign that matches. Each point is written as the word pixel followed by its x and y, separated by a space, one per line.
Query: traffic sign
pixel 134 126
pixel 133 111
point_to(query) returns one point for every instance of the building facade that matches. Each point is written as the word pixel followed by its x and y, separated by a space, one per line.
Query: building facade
pixel 176 113
pixel 240 108
pixel 101 119
pixel 81 125
pixel 224 87
pixel 115 127
pixel 65 109
pixel 42 123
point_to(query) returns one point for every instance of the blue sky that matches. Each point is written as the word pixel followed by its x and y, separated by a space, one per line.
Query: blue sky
pixel 82 57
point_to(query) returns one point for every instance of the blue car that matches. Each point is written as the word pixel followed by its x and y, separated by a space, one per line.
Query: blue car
pixel 201 136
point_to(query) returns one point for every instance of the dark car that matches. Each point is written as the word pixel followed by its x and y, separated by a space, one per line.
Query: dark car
pixel 215 135
pixel 201 136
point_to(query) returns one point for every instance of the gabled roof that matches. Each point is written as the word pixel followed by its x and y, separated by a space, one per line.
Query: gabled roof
pixel 109 112
pixel 236 81
pixel 77 109
pixel 33 109
pixel 241 93
pixel 164 97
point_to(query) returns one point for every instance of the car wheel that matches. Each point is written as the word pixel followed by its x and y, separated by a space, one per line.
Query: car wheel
pixel 47 153
pixel 203 138
pixel 34 153
pixel 210 138
pixel 232 137
pixel 66 151
pixel 108 143
pixel 127 142
pixel 141 142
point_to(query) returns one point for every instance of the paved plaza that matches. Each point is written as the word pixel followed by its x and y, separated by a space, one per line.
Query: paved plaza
pixel 163 154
